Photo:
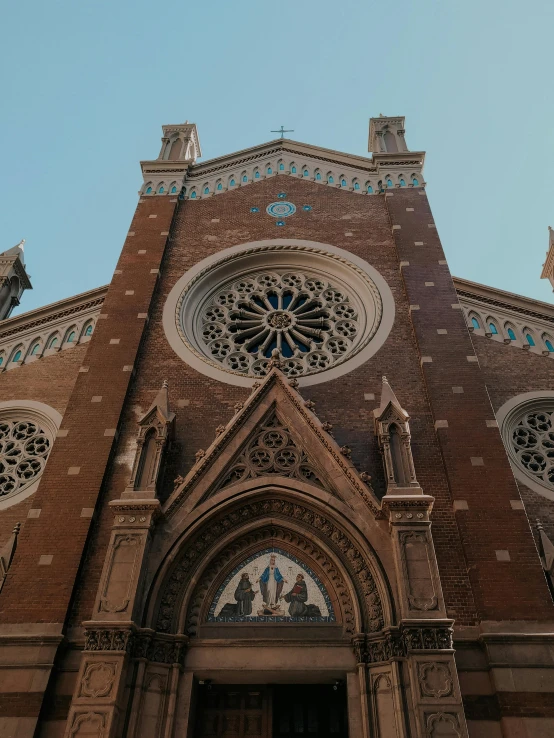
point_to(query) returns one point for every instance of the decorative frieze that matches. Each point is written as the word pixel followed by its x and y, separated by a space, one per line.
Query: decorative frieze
pixel 400 643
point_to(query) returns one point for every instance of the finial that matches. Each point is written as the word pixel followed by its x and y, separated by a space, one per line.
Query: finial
pixel 16 529
pixel 385 379
pixel 539 525
pixel 275 359
pixel 165 384
pixel 21 243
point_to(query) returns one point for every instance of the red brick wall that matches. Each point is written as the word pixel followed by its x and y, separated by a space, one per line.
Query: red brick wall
pixel 503 590
pixel 42 594
pixel 49 380
pixel 510 371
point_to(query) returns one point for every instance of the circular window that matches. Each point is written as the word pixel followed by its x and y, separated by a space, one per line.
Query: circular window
pixel 318 306
pixel 528 433
pixel 27 432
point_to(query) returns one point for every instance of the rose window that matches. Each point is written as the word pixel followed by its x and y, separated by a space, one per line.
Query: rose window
pixel 532 443
pixel 24 448
pixel 311 322
pixel 319 308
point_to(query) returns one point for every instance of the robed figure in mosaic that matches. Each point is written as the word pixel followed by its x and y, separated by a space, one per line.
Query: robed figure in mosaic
pixel 244 595
pixel 271 583
pixel 297 598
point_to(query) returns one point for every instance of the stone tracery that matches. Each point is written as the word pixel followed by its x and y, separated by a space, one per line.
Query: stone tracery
pixel 309 320
pixel 24 448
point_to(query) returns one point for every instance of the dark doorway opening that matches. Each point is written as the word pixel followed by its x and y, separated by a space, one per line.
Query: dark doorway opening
pixel 271 711
pixel 309 711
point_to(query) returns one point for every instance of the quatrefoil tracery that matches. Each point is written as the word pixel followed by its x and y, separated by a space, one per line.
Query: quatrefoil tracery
pixel 309 321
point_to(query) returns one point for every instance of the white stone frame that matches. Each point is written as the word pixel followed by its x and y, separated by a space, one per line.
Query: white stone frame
pixel 49 419
pixel 503 416
pixel 344 260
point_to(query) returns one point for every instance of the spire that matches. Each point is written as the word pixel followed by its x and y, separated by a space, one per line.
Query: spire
pixel 161 404
pixel 14 279
pixel 388 398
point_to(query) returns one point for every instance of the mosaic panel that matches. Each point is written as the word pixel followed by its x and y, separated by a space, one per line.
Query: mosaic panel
pixel 271 586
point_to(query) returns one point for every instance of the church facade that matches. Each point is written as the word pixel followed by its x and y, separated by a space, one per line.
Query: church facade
pixel 284 476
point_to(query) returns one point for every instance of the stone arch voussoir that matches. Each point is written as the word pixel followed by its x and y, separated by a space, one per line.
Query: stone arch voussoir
pixel 347 566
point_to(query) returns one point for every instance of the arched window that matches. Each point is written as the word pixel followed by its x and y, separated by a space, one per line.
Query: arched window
pixel 269 170
pixel 1 360
pixel 219 186
pixel 293 169
pixel 402 183
pixel 173 190
pixel 511 334
pixel 34 350
pixel 245 178
pixel 415 181
pixel 161 190
pixel 17 356
pixel 148 190
pixel 475 323
pixel 206 190
pixel 389 182
pixel 232 183
pixel 548 344
pixel 53 343
pixel 71 337
pixel 369 189
pixel 330 179
pixel 493 329
pixel 343 182
pixel 356 185
pixel 317 174
pixel 281 167
pixel 256 174
pixel 530 340
pixel 193 195
pixel 380 185
pixel 89 330
pixel 305 173
pixel 145 475
pixel 396 455
pixel 390 142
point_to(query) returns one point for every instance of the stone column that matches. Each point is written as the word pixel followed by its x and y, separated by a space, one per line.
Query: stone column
pixel 97 706
pixel 425 635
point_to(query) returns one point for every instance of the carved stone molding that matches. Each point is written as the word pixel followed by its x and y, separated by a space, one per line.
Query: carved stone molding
pixel 442 725
pixel 417 569
pixel 435 679
pixel 320 526
pixel 160 650
pixel 88 723
pixel 98 679
pixel 115 596
pixel 398 643
pixel 108 639
pixel 140 643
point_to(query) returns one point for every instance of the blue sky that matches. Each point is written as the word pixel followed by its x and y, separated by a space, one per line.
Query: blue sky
pixel 87 85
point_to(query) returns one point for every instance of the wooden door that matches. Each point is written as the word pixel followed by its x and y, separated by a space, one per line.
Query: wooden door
pixel 233 711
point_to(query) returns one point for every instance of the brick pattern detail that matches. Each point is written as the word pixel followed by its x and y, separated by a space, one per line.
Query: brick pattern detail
pixel 62 497
pixel 502 591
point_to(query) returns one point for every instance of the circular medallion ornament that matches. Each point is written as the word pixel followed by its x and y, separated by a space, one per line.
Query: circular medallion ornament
pixel 322 309
pixel 281 209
